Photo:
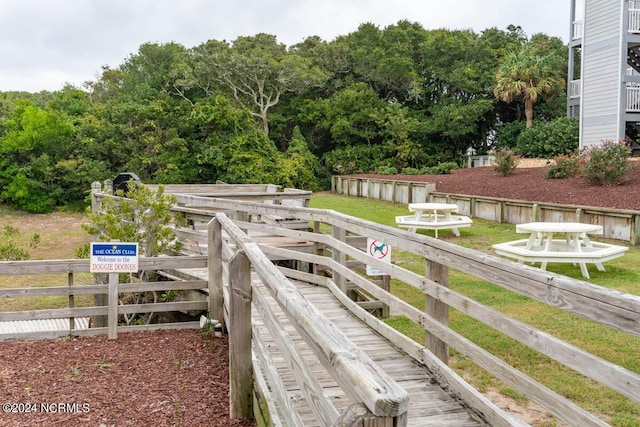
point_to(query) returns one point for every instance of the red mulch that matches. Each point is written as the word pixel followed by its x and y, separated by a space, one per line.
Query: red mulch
pixel 529 184
pixel 159 378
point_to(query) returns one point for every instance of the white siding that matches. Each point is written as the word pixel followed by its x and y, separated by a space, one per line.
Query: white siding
pixel 601 72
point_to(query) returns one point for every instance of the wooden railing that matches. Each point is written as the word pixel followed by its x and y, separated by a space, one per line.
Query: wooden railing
pixel 107 314
pixel 575 88
pixel 380 396
pixel 335 254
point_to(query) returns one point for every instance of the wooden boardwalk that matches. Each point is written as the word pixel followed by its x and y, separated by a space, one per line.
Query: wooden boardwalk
pixel 429 402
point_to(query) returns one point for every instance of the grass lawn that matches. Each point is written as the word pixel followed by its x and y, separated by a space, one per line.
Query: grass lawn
pixel 60 235
pixel 622 274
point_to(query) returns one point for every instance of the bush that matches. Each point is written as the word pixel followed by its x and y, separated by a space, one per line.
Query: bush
pixel 606 164
pixel 564 167
pixel 410 171
pixel 544 140
pixel 387 170
pixel 505 161
pixel 547 140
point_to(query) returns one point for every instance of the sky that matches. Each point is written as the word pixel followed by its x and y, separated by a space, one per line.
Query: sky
pixel 45 44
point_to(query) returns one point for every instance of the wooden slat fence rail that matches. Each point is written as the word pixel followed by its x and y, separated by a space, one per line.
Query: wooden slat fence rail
pixel 619 224
pixel 608 307
pixel 385 402
pixel 72 269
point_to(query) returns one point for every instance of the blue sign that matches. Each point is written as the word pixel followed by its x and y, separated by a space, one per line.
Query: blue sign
pixel 114 257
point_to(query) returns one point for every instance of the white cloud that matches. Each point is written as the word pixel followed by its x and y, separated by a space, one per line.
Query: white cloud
pixel 47 43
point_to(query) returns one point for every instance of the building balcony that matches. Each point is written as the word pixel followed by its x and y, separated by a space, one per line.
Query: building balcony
pixel 633 98
pixel 574 89
pixel 577 30
pixel 634 17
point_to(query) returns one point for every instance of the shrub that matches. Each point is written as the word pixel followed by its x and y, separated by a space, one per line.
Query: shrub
pixel 444 168
pixel 606 164
pixel 564 167
pixel 505 161
pixel 544 140
pixel 10 250
pixel 387 170
pixel 410 171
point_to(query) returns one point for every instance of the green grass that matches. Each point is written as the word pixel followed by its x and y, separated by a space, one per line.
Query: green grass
pixel 621 274
pixel 60 236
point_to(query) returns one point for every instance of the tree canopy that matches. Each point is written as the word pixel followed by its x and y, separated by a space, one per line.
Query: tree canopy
pixel 255 110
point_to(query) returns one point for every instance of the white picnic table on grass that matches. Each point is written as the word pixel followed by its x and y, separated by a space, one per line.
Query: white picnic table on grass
pixel 574 246
pixel 433 216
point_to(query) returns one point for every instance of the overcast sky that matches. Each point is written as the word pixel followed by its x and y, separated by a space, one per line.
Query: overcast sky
pixel 47 43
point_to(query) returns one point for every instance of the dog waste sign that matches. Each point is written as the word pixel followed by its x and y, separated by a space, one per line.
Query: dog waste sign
pixel 114 257
pixel 380 251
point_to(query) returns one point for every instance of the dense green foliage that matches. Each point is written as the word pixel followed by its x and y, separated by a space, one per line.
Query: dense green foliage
pixel 401 98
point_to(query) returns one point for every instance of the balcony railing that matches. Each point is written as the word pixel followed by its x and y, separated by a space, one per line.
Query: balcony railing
pixel 577 30
pixel 574 89
pixel 634 16
pixel 633 99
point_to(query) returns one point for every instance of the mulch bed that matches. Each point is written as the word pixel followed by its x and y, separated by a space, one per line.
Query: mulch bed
pixel 529 184
pixel 159 378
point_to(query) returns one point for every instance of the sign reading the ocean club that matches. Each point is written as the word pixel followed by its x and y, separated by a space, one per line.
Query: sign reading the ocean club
pixel 114 257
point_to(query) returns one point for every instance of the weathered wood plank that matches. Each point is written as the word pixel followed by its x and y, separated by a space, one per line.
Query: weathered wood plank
pixel 356 372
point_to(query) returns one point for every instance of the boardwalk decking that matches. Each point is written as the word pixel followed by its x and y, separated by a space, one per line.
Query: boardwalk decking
pixel 429 402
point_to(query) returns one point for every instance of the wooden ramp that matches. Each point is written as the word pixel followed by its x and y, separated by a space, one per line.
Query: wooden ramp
pixel 429 402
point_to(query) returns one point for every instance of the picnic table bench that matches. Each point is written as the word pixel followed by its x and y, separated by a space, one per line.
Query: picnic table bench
pixel 433 216
pixel 575 247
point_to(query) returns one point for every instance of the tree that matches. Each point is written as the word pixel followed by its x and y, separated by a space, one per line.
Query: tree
pixel 528 74
pixel 35 140
pixel 256 70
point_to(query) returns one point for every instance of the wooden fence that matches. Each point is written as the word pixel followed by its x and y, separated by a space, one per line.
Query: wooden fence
pixel 105 316
pixel 618 224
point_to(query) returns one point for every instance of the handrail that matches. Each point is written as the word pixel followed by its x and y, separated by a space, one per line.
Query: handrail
pixel 354 370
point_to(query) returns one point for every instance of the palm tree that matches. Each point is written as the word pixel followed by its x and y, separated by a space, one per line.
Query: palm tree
pixel 528 74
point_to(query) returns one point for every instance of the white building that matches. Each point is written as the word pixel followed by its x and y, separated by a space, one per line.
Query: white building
pixel 604 70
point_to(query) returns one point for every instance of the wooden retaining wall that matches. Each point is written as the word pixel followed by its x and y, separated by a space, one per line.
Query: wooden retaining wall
pixel 618 224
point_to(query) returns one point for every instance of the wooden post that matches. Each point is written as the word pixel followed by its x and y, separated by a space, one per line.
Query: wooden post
pixel 579 215
pixel 386 285
pixel 438 310
pixel 72 320
pixel 240 366
pixel 112 310
pixel 535 213
pixel 216 295
pixel 336 255
pixel 635 230
pixel 99 300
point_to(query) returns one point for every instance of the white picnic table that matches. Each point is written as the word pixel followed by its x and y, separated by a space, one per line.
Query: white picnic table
pixel 433 216
pixel 574 246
